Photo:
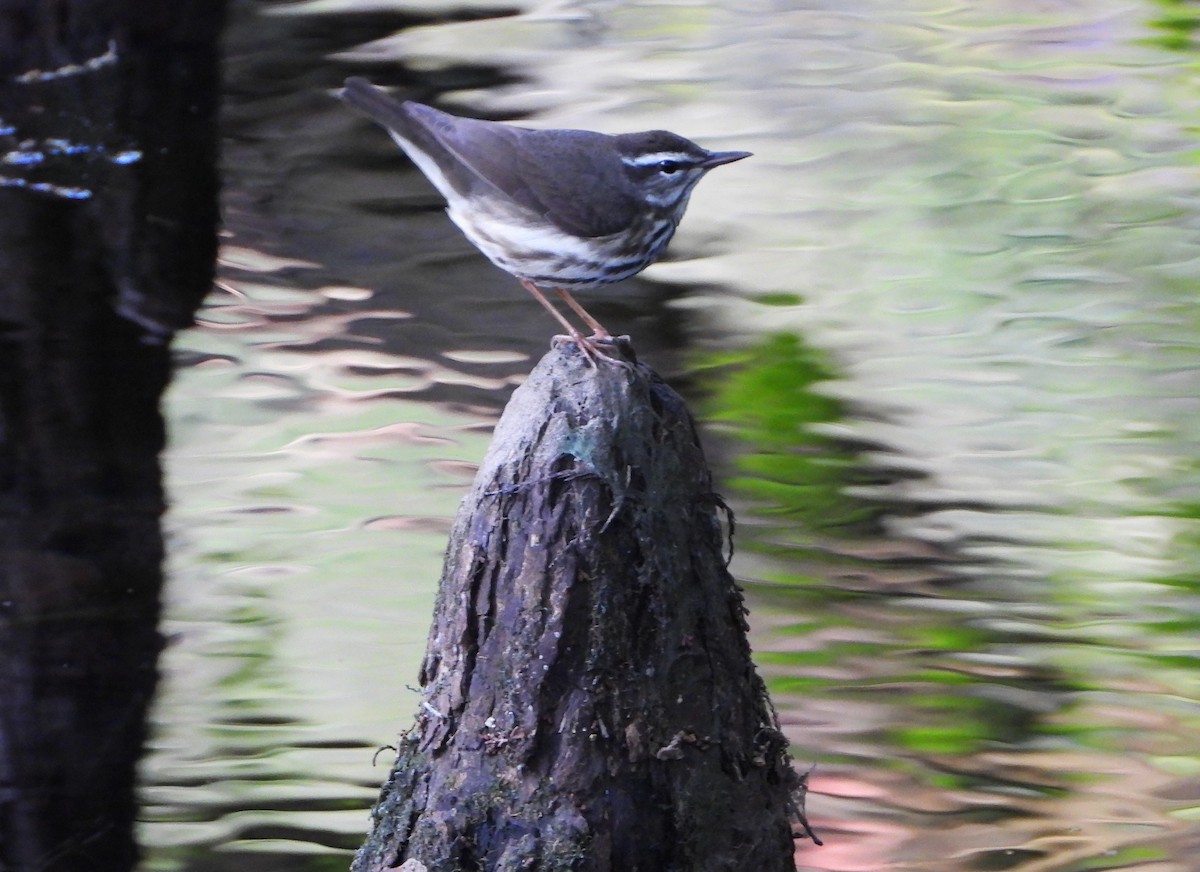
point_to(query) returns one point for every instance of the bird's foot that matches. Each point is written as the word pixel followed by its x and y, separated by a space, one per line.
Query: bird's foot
pixel 612 349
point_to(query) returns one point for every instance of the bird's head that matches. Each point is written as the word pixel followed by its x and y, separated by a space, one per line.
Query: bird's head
pixel 664 167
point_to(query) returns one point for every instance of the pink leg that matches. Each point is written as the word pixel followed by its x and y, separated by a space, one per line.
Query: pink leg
pixel 598 331
pixel 586 347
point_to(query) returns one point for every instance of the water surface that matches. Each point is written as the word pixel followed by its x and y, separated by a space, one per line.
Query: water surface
pixel 941 330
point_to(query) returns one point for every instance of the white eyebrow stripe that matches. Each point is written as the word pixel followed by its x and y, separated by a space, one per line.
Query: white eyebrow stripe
pixel 646 160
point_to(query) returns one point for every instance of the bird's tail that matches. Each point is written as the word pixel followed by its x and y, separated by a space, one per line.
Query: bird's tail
pixel 376 102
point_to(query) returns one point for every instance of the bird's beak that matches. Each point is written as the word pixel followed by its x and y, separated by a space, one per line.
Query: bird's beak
pixel 716 158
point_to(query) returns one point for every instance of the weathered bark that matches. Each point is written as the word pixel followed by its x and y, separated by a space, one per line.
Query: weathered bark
pixel 589 701
pixel 107 240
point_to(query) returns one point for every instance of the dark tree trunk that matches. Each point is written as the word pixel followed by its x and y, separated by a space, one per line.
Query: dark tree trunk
pixel 107 239
pixel 589 701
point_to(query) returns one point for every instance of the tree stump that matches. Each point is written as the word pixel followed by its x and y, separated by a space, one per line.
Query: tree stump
pixel 589 701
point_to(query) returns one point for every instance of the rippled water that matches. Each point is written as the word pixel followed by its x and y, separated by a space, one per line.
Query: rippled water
pixel 942 328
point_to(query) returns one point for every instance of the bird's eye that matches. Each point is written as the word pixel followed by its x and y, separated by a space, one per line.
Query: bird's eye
pixel 667 167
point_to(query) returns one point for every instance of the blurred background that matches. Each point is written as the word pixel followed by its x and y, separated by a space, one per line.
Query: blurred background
pixel 942 335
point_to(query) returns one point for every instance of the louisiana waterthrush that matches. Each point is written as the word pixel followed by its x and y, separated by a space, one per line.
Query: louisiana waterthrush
pixel 558 209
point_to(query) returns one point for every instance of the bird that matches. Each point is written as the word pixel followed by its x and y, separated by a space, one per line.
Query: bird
pixel 560 210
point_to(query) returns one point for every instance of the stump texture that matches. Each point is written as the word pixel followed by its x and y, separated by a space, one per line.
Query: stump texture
pixel 589 701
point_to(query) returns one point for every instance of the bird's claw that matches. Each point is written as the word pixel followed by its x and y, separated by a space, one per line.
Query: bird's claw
pixel 592 346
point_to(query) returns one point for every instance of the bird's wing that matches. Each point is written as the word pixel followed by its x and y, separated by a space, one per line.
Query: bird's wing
pixel 486 151
pixel 589 193
pixel 556 174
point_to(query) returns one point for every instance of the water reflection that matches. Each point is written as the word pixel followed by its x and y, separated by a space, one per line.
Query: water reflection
pixel 944 334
